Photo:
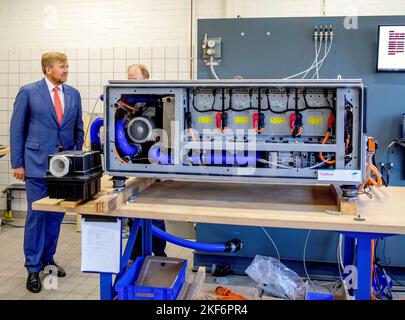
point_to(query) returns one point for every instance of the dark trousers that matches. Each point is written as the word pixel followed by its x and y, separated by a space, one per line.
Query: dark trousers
pixel 41 228
pixel 158 245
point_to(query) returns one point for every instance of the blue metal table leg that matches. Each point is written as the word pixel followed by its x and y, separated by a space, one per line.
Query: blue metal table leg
pixel 106 287
pixel 363 268
pixel 146 237
pixel 128 249
pixel 363 261
pixel 107 291
pixel 348 251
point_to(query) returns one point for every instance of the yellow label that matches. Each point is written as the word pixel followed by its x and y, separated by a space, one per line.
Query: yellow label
pixel 241 120
pixel 277 120
pixel 204 119
pixel 315 121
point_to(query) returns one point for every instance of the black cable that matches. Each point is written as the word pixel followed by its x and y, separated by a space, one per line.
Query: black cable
pixel 366 191
pixel 212 106
pixel 187 116
pixel 392 145
pixel 382 175
pixel 259 105
pixel 224 116
pixel 230 98
pixel 386 264
pixel 270 108
pixel 348 128
pixel 251 107
pixel 298 119
pixel 307 106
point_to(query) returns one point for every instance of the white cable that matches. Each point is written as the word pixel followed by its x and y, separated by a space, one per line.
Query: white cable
pixel 303 259
pixel 317 64
pixel 340 272
pixel 275 164
pixel 317 165
pixel 323 59
pixel 313 64
pixel 341 251
pixel 317 52
pixel 211 64
pixel 274 245
pixel 324 53
pixel 306 70
pixel 294 168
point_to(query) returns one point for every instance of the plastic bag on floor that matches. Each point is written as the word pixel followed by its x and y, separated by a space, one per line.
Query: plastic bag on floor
pixel 275 278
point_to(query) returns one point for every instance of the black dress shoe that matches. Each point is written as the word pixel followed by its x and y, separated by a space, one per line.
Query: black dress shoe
pixel 51 266
pixel 34 282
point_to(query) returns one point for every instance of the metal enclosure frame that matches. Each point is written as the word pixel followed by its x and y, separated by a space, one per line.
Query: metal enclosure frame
pixel 179 89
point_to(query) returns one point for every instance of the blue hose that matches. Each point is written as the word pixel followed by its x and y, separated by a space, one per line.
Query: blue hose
pixel 225 158
pixel 230 246
pixel 94 134
pixel 156 155
pixel 130 99
pixel 121 140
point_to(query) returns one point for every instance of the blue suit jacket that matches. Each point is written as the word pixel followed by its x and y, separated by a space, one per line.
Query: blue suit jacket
pixel 35 132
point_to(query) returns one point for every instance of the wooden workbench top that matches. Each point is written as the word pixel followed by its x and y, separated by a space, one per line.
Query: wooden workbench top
pixel 287 206
pixel 291 206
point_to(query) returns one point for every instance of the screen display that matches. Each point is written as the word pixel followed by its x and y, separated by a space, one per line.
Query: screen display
pixel 391 48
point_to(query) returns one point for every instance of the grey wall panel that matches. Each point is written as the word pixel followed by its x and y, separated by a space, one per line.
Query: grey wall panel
pixel 290 49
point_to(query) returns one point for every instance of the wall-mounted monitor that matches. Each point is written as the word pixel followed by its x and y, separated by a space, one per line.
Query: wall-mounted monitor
pixel 391 48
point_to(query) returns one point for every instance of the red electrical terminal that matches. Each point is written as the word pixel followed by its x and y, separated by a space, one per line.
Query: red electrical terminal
pixel 295 124
pixel 218 117
pixel 258 119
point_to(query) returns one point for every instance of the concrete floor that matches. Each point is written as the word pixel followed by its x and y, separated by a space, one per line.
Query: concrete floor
pixel 76 285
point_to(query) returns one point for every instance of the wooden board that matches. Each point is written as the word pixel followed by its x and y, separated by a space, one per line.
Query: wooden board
pixel 344 206
pixel 4 151
pixel 195 287
pixel 286 206
pixel 103 202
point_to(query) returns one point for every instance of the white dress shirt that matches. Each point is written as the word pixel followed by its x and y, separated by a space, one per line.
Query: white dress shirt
pixel 60 93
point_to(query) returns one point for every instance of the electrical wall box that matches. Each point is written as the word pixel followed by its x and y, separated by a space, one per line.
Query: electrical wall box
pixel 212 47
pixel 264 131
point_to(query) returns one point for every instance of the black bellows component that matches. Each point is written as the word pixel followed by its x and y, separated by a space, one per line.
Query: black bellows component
pixel 74 175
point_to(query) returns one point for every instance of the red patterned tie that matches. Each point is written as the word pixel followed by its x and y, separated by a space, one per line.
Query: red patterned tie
pixel 58 105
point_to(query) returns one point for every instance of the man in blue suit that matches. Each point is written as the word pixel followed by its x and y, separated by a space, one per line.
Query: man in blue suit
pixel 47 118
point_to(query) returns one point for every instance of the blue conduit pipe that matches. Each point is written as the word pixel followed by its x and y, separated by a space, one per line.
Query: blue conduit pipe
pixel 94 134
pixel 135 99
pixel 121 140
pixel 225 158
pixel 229 246
pixel 157 156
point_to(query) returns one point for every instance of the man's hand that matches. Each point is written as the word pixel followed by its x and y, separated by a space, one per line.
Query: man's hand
pixel 19 173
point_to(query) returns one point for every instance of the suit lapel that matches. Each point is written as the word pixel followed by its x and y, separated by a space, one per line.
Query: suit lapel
pixel 46 96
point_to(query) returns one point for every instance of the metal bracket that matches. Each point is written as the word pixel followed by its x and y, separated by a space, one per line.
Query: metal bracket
pixel 333 213
pixel 132 198
pixel 118 183
pixel 359 218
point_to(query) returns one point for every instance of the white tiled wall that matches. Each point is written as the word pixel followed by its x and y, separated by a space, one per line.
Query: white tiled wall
pixel 90 68
pixel 102 37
